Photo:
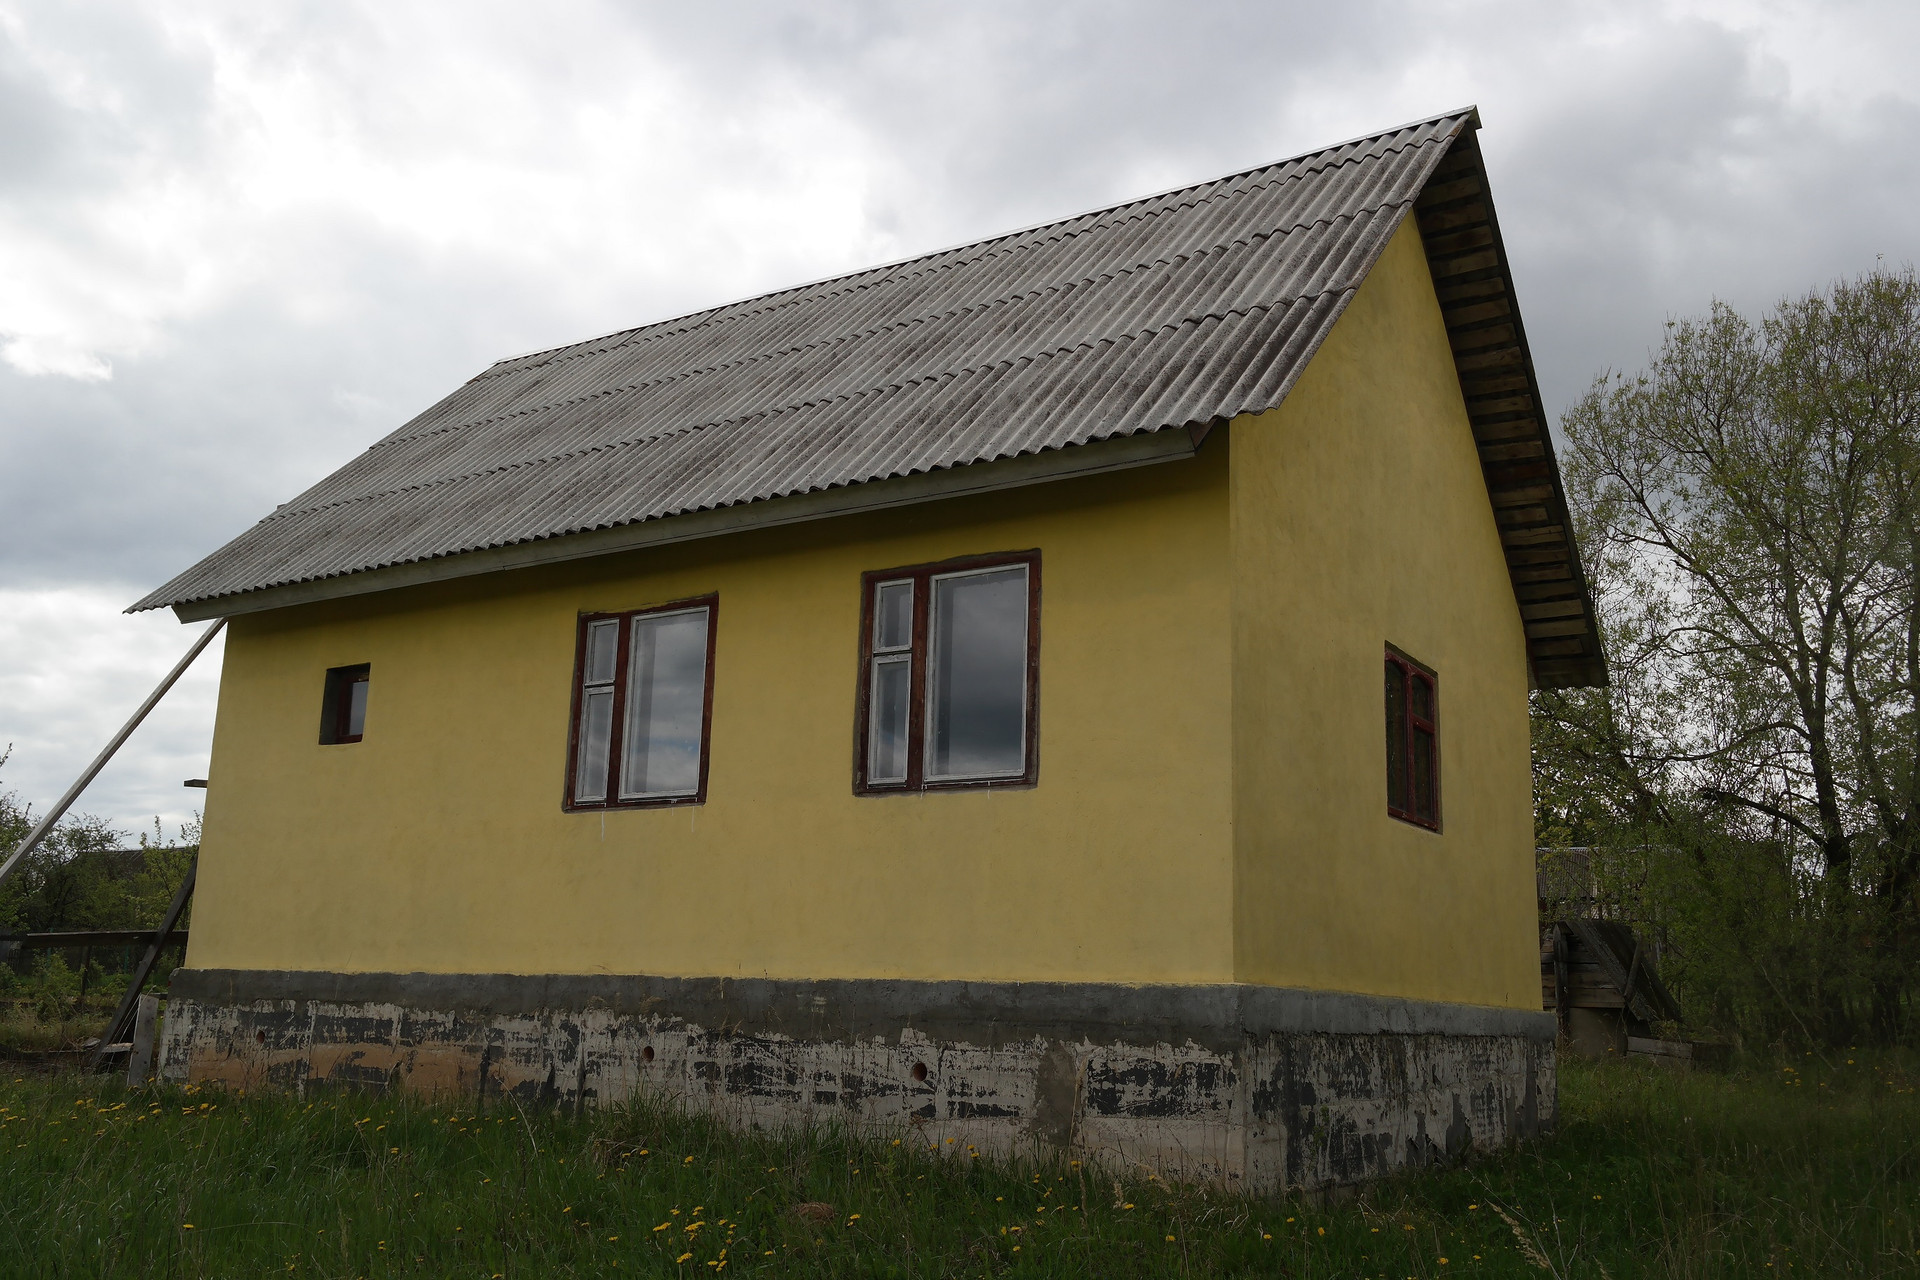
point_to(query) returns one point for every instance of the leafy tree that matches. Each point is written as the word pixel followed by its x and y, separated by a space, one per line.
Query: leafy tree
pixel 1749 507
pixel 83 877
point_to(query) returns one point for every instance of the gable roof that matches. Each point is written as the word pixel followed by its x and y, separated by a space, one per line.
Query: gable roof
pixel 1111 339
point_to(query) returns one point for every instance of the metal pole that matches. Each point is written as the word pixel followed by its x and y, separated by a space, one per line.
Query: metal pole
pixel 59 810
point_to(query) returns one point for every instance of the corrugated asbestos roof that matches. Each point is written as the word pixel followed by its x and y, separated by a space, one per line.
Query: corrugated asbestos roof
pixel 1182 309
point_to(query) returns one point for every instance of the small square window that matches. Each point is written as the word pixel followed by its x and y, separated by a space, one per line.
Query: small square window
pixel 1413 741
pixel 949 675
pixel 643 707
pixel 343 710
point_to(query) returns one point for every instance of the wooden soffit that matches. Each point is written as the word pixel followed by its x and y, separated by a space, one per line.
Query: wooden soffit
pixel 1475 288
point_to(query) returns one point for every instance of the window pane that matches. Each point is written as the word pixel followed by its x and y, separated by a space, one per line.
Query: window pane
pixel 1422 696
pixel 666 702
pixel 893 615
pixel 887 720
pixel 596 727
pixel 1396 737
pixel 977 694
pixel 1422 806
pixel 357 708
pixel 603 639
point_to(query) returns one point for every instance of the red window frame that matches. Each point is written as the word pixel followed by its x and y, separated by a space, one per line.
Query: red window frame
pixel 336 704
pixel 922 576
pixel 615 744
pixel 1406 734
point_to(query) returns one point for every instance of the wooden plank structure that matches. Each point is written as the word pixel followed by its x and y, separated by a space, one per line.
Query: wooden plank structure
pixel 1598 977
pixel 1475 286
pixel 123 1017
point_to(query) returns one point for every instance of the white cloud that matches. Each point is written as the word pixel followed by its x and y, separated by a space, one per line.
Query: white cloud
pixel 76 668
pixel 242 241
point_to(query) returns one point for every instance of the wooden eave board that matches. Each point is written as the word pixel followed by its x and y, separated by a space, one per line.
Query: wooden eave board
pixel 1474 284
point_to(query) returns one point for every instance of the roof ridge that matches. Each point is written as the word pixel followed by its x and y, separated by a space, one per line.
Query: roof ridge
pixel 289 511
pixel 1217 245
pixel 702 316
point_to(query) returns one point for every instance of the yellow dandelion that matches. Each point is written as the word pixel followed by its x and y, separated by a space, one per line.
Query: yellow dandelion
pixel 1169 1239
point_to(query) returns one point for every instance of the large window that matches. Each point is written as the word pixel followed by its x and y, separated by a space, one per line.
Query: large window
pixel 1413 742
pixel 643 700
pixel 949 675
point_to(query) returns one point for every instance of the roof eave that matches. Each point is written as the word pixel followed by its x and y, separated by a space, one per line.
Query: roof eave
pixel 1474 283
pixel 1115 454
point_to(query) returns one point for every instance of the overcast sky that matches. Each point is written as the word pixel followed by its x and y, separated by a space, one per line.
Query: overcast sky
pixel 239 242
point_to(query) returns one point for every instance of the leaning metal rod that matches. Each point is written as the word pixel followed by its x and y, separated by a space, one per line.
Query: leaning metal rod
pixel 59 810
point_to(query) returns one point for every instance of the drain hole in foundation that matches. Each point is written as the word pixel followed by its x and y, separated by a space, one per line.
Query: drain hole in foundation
pixel 646 1054
pixel 919 1071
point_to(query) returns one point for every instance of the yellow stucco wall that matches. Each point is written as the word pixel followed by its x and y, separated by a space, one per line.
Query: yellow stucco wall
pixel 1211 804
pixel 1359 519
pixel 438 843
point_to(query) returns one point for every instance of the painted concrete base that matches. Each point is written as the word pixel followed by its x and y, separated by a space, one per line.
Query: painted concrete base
pixel 1256 1087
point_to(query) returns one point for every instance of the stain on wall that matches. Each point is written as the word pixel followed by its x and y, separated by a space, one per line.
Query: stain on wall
pixel 1228 1102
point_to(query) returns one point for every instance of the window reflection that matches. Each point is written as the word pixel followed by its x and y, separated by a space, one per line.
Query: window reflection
pixel 977 690
pixel 666 703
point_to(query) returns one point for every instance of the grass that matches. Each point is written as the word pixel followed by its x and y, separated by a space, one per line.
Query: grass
pixel 1786 1167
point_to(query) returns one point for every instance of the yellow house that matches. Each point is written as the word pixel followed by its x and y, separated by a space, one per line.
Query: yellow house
pixel 948 694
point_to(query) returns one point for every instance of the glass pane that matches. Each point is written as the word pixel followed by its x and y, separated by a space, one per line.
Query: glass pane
pixel 1423 807
pixel 893 615
pixel 603 639
pixel 1396 737
pixel 596 727
pixel 1422 697
pixel 356 708
pixel 887 715
pixel 977 694
pixel 666 702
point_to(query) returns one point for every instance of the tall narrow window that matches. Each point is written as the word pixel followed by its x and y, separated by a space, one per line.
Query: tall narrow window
pixel 643 702
pixel 949 675
pixel 1413 742
pixel 343 707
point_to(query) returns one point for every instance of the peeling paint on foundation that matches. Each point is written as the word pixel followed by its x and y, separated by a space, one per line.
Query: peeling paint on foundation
pixel 1259 1088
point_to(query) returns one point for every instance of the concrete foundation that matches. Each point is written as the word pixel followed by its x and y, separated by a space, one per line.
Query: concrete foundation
pixel 1255 1087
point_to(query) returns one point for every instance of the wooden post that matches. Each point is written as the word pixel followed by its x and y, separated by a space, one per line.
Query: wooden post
pixel 144 969
pixel 140 1062
pixel 1562 978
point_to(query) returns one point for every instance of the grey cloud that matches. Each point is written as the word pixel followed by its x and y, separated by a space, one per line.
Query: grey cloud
pixel 1643 163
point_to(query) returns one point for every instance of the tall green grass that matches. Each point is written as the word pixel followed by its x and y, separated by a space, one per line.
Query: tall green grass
pixel 1785 1168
